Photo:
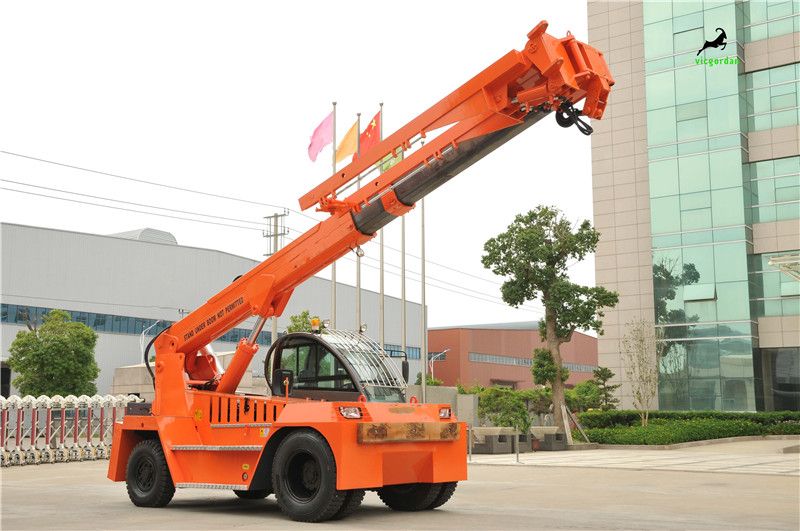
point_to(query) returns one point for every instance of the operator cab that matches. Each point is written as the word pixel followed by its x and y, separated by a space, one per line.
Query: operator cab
pixel 337 366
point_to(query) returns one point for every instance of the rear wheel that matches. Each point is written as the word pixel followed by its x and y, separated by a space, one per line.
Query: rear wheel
pixel 147 475
pixel 411 496
pixel 304 478
pixel 352 501
pixel 258 494
pixel 444 495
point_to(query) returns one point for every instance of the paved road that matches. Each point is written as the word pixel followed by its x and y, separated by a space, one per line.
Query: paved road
pixel 77 496
pixel 748 457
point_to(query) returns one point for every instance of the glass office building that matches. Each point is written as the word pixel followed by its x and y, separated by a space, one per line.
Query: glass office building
pixel 720 165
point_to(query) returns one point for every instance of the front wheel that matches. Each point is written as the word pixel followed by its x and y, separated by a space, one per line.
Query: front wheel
pixel 411 496
pixel 147 475
pixel 304 478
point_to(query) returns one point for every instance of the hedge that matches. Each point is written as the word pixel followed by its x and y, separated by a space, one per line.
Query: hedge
pixel 668 431
pixel 608 419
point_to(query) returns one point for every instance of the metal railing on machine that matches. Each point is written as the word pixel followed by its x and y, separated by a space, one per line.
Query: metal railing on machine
pixel 52 429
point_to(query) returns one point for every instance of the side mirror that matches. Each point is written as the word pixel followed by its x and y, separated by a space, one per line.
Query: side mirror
pixel 404 368
pixel 278 377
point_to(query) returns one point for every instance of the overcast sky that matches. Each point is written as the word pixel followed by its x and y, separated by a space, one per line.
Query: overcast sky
pixel 222 97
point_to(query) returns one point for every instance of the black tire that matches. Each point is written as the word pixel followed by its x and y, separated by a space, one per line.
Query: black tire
pixel 444 495
pixel 411 496
pixel 304 478
pixel 147 475
pixel 352 501
pixel 258 494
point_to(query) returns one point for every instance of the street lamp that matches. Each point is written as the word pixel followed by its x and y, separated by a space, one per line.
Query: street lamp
pixel 431 359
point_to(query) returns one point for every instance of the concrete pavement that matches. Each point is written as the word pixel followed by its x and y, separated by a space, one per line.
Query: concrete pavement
pixel 747 457
pixel 78 496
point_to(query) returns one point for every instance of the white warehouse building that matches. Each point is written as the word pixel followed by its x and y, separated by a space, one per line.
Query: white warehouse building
pixel 120 284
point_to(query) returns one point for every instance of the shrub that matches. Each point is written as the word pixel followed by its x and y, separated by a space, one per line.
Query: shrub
pixel 607 419
pixel 676 431
pixel 585 395
pixel 504 407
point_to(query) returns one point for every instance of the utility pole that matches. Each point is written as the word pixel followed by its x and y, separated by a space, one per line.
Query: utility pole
pixel 274 234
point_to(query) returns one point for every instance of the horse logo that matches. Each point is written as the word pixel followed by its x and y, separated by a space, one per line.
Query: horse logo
pixel 716 43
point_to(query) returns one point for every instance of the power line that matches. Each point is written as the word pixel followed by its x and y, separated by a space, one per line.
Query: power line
pixel 484 297
pixel 131 203
pixel 209 194
pixel 142 181
pixel 127 209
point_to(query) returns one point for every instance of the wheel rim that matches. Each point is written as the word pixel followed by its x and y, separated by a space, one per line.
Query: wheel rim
pixel 303 476
pixel 145 474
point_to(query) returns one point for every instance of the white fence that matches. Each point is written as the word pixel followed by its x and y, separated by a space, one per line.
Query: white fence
pixel 57 429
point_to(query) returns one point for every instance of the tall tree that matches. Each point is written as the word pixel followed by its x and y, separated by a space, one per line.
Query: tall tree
pixel 56 358
pixel 639 354
pixel 532 255
pixel 607 399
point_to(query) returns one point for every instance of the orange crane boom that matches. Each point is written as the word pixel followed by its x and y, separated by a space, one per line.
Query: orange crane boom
pixel 516 91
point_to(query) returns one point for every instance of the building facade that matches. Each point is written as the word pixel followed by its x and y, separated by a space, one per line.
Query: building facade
pixel 121 284
pixel 696 181
pixel 501 354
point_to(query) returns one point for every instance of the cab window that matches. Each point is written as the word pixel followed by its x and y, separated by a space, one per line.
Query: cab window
pixel 315 367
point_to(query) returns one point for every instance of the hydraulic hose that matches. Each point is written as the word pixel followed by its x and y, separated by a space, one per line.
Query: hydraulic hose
pixel 147 356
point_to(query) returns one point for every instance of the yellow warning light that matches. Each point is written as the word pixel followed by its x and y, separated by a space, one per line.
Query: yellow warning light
pixel 315 325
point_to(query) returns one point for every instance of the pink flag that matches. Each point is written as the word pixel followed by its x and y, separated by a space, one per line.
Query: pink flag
pixel 323 135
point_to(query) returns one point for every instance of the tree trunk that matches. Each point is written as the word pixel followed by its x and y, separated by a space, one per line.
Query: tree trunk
pixel 553 345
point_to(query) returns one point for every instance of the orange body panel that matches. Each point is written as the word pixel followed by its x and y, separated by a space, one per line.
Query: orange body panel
pixel 247 423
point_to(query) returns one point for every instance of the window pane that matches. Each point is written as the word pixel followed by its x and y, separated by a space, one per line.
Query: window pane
pixel 665 214
pixel 694 175
pixel 660 90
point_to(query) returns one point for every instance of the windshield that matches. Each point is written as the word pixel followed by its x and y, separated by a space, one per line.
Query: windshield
pixel 375 369
pixel 376 393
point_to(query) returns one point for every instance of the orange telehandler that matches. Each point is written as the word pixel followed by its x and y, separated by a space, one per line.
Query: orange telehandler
pixel 336 422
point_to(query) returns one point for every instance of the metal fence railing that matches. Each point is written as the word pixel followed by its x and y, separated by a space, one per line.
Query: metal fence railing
pixel 46 429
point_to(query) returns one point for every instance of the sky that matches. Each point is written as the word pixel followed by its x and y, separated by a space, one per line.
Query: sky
pixel 222 97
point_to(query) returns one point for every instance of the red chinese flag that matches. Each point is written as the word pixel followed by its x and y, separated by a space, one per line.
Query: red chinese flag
pixel 371 135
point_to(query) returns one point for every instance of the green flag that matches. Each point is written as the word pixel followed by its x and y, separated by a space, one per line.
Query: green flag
pixel 388 161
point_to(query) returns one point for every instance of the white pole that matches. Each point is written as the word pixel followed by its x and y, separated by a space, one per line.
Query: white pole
pixel 424 318
pixel 381 302
pixel 358 256
pixel 333 266
pixel 403 342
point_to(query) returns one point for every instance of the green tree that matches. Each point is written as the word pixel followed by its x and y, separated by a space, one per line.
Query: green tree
pixel 504 407
pixel 537 401
pixel 300 322
pixel 56 358
pixel 532 255
pixel 585 395
pixel 607 399
pixel 544 368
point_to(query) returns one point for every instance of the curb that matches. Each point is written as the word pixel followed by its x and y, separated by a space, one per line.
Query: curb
pixel 691 444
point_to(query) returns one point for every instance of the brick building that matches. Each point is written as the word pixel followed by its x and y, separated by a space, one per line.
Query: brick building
pixel 501 353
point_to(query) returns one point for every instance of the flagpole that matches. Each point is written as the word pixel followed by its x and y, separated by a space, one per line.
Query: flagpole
pixel 424 317
pixel 381 302
pixel 333 266
pixel 358 255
